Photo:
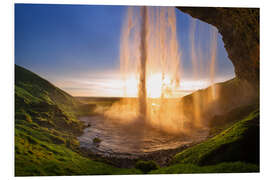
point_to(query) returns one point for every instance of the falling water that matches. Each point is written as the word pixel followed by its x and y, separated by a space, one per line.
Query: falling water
pixel 213 63
pixel 150 65
pixel 143 62
pixel 150 58
pixel 195 68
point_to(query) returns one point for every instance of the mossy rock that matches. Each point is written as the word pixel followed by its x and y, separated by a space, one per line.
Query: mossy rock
pixel 96 140
pixel 146 166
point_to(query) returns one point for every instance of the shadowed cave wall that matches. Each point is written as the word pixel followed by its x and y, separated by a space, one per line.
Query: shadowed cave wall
pixel 239 28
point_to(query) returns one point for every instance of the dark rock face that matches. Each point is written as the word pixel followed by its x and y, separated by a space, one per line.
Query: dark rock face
pixel 239 28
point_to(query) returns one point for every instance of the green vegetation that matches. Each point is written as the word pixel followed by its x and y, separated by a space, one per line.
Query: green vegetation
pixel 46 128
pixel 45 131
pixel 146 166
pixel 237 143
pixel 40 153
pixel 235 96
pixel 236 149
pixel 224 121
pixel 96 140
pixel 228 167
pixel 93 106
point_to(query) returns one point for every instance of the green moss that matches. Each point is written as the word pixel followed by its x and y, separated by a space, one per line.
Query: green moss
pixel 146 166
pixel 45 131
pixel 96 140
pixel 228 167
pixel 38 153
pixel 239 142
pixel 42 158
pixel 235 150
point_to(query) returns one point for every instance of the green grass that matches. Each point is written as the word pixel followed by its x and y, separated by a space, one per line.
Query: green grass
pixel 239 142
pixel 43 157
pixel 30 88
pixel 228 167
pixel 226 120
pixel 231 95
pixel 46 128
pixel 146 166
pixel 234 150
pixel 94 105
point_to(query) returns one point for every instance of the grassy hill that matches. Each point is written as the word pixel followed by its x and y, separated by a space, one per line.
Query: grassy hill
pixel 46 128
pixel 232 95
pixel 236 149
pixel 48 105
pixel 45 131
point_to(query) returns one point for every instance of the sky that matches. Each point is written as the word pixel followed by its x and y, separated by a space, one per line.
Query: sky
pixel 76 47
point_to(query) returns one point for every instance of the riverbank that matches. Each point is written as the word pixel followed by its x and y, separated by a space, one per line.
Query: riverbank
pixel 122 147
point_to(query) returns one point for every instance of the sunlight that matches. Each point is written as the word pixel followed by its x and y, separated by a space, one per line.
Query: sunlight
pixel 131 87
pixel 154 85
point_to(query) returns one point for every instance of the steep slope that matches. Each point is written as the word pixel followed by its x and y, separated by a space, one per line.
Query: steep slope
pixel 48 105
pixel 236 149
pixel 237 143
pixel 45 131
pixel 234 96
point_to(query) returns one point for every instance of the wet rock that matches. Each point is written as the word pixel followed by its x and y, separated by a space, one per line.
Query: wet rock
pixel 239 28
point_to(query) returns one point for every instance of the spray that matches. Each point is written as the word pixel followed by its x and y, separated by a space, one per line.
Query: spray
pixel 149 55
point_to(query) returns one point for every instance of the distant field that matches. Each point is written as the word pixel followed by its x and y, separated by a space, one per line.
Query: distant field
pixel 98 100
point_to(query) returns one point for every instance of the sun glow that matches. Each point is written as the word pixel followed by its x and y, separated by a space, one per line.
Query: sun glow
pixel 155 85
pixel 131 87
pixel 150 65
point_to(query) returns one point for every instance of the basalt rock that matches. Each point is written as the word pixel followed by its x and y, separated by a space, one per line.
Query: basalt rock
pixel 239 28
